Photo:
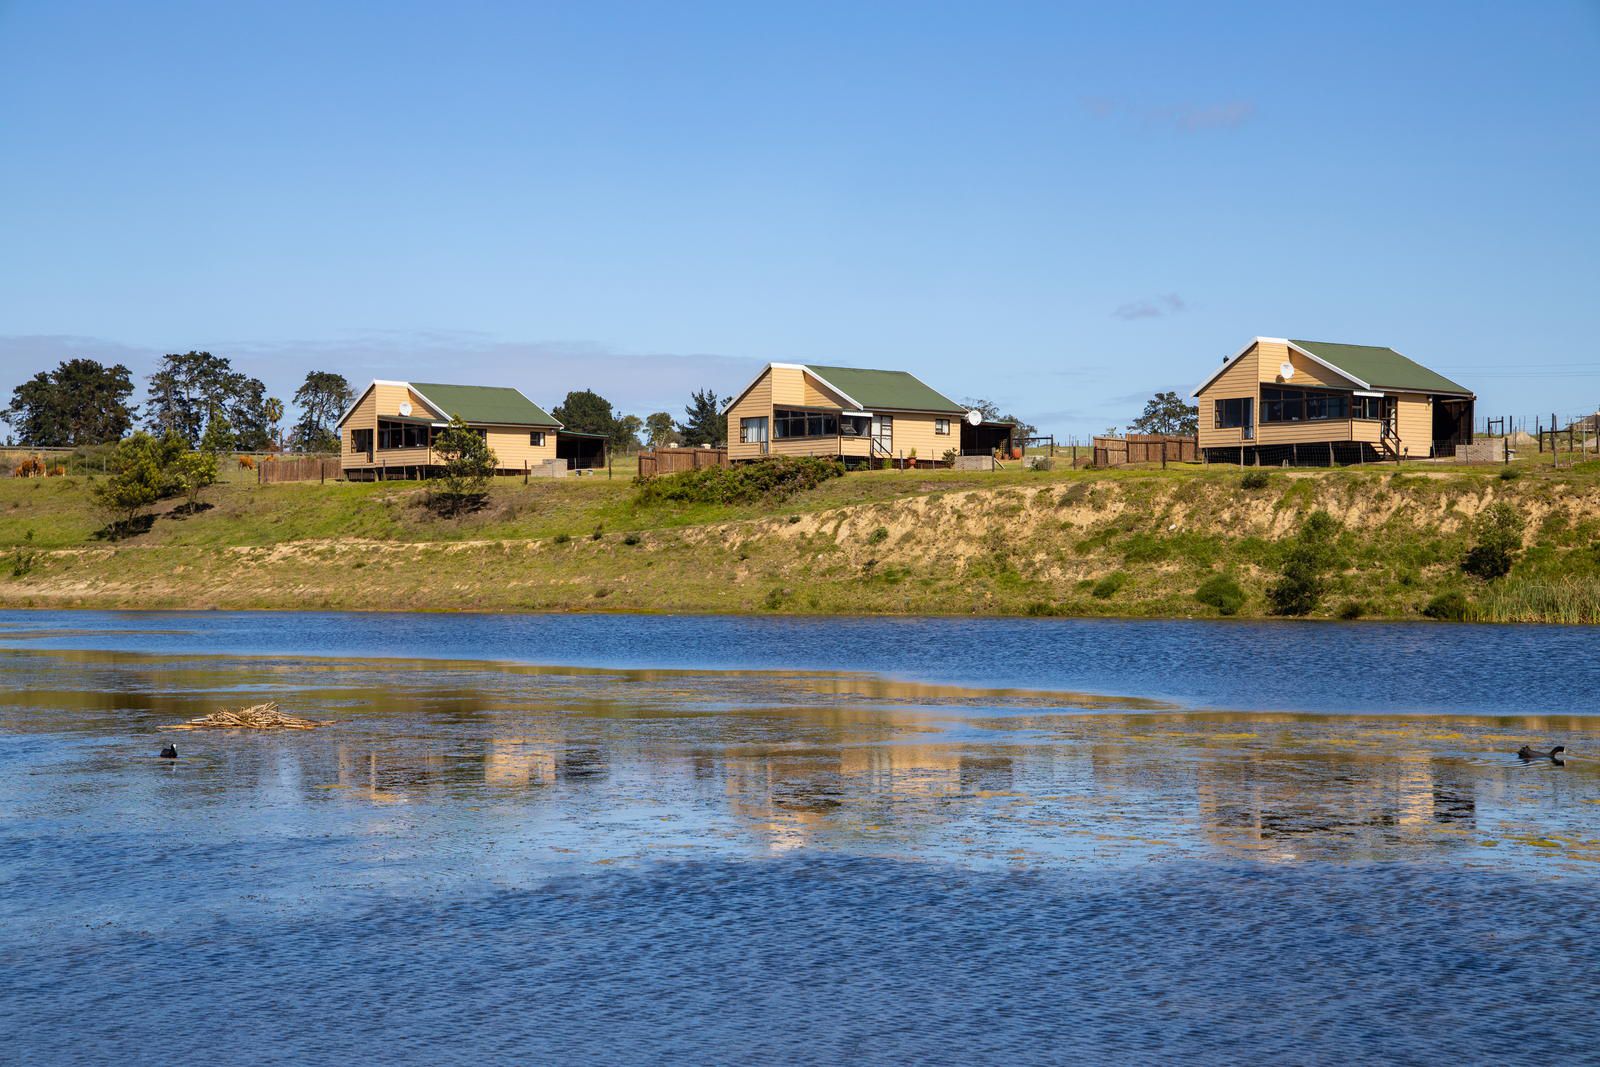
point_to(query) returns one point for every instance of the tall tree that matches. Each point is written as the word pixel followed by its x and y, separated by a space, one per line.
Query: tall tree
pixel 274 414
pixel 586 411
pixel 250 414
pixel 81 402
pixel 659 429
pixel 1167 413
pixel 626 436
pixel 189 387
pixel 468 465
pixel 321 398
pixel 704 421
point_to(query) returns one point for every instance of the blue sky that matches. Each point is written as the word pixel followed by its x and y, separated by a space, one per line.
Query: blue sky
pixel 1063 207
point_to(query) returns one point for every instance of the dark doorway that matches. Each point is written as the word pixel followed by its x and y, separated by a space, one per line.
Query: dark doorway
pixel 1452 425
pixel 582 451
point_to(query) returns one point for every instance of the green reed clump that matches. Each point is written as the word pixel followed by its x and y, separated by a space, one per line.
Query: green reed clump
pixel 1573 601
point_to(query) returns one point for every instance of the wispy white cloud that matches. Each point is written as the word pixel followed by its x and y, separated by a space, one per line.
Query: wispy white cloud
pixel 1152 308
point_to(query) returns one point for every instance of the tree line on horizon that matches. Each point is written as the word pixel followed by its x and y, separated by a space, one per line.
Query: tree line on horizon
pixel 198 396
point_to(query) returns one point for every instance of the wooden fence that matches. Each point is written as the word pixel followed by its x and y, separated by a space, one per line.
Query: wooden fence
pixel 304 469
pixel 678 460
pixel 1145 448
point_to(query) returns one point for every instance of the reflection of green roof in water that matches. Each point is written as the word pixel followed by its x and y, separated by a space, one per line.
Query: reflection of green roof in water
pixel 894 389
pixel 497 404
pixel 1382 368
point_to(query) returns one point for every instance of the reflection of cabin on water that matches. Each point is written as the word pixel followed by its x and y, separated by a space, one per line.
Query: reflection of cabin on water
pixel 1326 402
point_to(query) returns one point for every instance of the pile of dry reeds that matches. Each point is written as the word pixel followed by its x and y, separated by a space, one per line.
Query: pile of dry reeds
pixel 260 717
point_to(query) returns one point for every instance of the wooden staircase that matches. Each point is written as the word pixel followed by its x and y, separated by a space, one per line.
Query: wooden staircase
pixel 1389 441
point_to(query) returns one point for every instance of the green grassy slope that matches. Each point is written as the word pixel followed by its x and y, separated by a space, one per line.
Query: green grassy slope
pixel 1132 542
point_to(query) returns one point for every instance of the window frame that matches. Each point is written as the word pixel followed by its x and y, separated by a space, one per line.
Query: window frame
pixel 941 427
pixel 753 422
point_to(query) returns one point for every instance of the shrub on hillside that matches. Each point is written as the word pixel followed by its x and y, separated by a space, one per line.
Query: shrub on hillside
pixel 1449 606
pixel 1221 592
pixel 469 463
pixel 1254 480
pixel 1303 577
pixel 1109 586
pixel 1499 538
pixel 765 480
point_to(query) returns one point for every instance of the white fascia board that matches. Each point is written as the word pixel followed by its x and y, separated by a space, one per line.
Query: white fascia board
pixel 1313 357
pixel 437 410
pixel 830 385
pixel 753 382
pixel 1228 363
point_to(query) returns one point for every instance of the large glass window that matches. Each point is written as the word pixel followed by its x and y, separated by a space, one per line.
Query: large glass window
pixel 403 434
pixel 361 440
pixel 1233 413
pixel 753 431
pixel 855 425
pixel 789 423
pixel 1366 407
pixel 1302 405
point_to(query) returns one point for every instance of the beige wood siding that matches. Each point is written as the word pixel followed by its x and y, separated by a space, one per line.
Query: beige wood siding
pixel 1414 424
pixel 914 430
pixel 363 417
pixel 788 386
pixel 1307 372
pixel 1295 433
pixel 1243 378
pixel 513 452
pixel 756 403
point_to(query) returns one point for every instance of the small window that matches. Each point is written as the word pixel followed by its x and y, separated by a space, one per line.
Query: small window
pixel 941 426
pixel 753 431
pixel 1233 413
pixel 536 438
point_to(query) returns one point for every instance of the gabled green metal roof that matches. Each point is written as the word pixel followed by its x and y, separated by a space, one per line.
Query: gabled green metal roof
pixel 1382 368
pixel 892 389
pixel 485 404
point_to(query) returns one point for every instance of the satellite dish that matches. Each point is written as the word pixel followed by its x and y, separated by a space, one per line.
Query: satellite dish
pixel 974 418
pixel 405 406
pixel 1286 370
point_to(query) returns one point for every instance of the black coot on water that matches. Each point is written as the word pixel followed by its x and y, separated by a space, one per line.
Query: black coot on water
pixel 170 752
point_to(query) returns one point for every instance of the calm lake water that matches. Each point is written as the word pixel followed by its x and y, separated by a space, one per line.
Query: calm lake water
pixel 627 839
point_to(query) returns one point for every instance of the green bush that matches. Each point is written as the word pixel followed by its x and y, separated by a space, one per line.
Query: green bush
pixel 1499 538
pixel 1221 592
pixel 769 480
pixel 1303 576
pixel 562 538
pixel 1510 474
pixel 1451 606
pixel 1352 609
pixel 878 536
pixel 1254 480
pixel 1108 587
pixel 631 539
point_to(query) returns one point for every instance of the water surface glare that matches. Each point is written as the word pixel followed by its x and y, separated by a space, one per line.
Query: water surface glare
pixel 842 849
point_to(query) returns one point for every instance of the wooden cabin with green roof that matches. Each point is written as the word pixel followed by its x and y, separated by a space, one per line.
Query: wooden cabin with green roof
pixel 863 417
pixel 389 431
pixel 1279 400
